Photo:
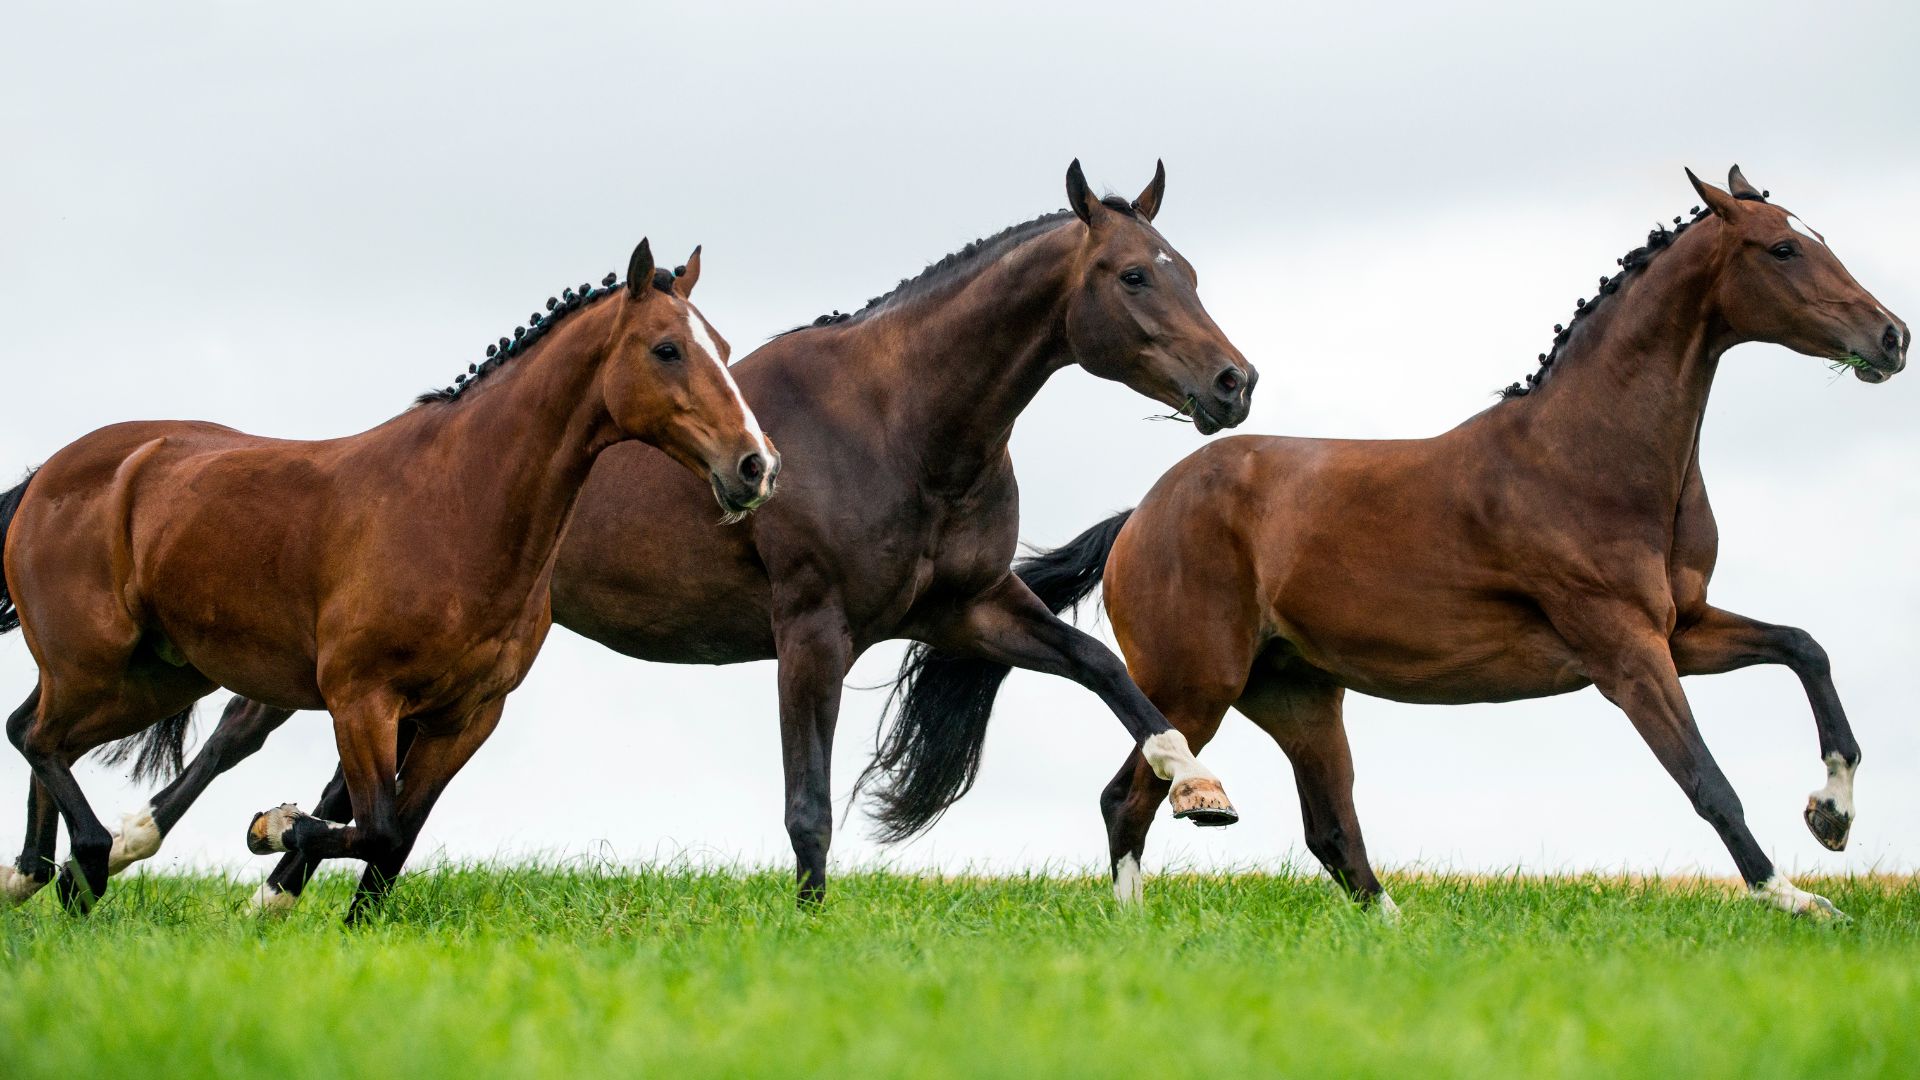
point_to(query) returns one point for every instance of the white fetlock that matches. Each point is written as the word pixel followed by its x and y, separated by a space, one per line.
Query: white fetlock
pixel 137 838
pixel 1386 910
pixel 1829 812
pixel 16 887
pixel 1778 892
pixel 1170 758
pixel 1128 886
pixel 268 902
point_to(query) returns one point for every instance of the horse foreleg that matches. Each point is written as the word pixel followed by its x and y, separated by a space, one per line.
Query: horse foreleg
pixel 1009 625
pixel 367 734
pixel 426 768
pixel 1722 641
pixel 281 891
pixel 1304 718
pixel 1632 664
pixel 815 652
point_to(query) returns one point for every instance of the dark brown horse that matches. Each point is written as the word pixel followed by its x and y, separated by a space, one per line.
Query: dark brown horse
pixel 898 514
pixel 1559 539
pixel 398 578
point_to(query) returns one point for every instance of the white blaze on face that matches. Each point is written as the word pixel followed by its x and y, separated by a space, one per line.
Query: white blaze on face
pixel 1800 227
pixel 697 330
pixel 1127 886
pixel 1162 257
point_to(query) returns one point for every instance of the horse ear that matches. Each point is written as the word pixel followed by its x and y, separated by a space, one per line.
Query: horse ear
pixel 685 277
pixel 1717 201
pixel 1085 204
pixel 1737 184
pixel 1149 201
pixel 640 270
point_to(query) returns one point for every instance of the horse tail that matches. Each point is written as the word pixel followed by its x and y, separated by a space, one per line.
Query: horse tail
pixel 941 702
pixel 158 753
pixel 9 505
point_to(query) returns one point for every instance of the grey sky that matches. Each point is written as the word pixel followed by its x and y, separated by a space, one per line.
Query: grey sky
pixel 293 221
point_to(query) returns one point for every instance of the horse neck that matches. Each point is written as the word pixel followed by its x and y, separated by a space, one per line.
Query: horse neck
pixel 1624 401
pixel 514 450
pixel 960 366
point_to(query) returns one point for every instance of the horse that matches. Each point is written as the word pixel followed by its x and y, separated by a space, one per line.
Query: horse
pixel 399 578
pixel 898 515
pixel 1559 539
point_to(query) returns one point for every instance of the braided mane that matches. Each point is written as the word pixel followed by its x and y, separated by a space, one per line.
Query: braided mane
pixel 558 308
pixel 1633 261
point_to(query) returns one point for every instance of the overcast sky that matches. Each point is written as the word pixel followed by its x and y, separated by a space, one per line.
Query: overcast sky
pixel 293 221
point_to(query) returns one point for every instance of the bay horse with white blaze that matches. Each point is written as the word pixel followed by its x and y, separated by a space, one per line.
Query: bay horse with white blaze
pixel 898 514
pixel 399 578
pixel 1557 540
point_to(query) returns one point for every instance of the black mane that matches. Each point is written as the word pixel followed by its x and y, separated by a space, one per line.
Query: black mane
pixel 964 263
pixel 1658 240
pixel 558 307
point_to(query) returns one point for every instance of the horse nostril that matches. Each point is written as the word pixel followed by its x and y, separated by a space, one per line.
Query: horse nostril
pixel 1230 381
pixel 1890 340
pixel 752 468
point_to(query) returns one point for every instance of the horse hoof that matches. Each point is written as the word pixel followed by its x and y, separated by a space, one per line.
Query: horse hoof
pixel 268 902
pixel 1828 823
pixel 16 887
pixel 137 838
pixel 74 891
pixel 1778 892
pixel 1203 801
pixel 267 833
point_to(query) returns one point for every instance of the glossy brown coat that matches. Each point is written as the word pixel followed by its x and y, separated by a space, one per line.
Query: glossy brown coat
pixel 396 577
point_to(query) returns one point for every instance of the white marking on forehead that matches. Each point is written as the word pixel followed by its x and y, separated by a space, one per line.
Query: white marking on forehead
pixel 697 327
pixel 1800 227
pixel 1162 257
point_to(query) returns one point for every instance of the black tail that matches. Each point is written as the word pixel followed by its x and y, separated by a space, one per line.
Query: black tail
pixel 158 753
pixel 9 505
pixel 941 702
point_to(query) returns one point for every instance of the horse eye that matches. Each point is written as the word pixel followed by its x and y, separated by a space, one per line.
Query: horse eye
pixel 666 351
pixel 1134 278
pixel 1783 252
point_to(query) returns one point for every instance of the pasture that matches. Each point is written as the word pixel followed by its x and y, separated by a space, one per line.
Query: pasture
pixel 562 971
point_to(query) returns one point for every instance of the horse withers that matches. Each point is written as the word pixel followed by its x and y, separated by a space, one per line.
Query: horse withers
pixel 1559 539
pixel 399 578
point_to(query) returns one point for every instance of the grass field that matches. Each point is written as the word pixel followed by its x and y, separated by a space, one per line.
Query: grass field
pixel 550 972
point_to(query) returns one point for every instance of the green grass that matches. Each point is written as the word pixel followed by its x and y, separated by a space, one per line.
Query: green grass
pixel 553 972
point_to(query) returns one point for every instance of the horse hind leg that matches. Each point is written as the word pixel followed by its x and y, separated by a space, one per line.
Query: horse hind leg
pixel 35 867
pixel 1304 717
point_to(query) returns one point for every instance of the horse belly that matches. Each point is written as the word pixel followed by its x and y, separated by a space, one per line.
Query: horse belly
pixel 1478 653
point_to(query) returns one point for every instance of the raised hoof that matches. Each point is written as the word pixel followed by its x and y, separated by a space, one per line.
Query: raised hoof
pixel 1203 801
pixel 1827 823
pixel 267 833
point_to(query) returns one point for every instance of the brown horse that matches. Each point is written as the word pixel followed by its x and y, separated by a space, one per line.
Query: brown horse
pixel 1559 539
pixel 399 578
pixel 898 516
